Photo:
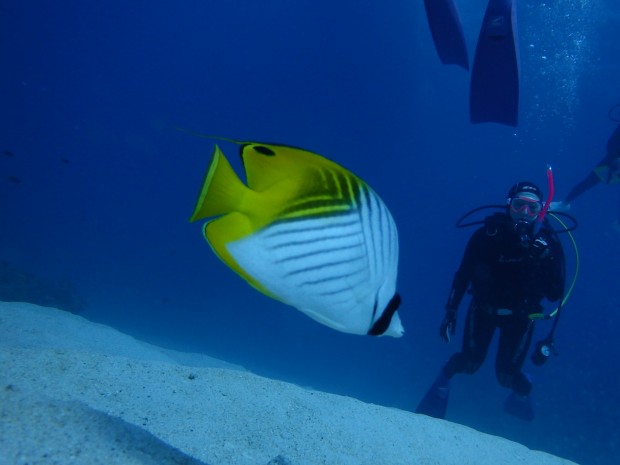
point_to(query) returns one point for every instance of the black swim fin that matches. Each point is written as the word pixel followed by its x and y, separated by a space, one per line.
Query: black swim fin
pixel 435 401
pixel 520 407
pixel 447 32
pixel 494 89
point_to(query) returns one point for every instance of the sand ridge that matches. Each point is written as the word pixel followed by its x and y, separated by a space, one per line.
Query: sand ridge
pixel 118 387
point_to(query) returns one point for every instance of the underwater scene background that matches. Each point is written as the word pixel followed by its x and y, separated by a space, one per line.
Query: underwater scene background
pixel 98 184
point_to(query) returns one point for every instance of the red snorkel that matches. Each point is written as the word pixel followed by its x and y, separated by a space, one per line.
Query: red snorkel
pixel 543 212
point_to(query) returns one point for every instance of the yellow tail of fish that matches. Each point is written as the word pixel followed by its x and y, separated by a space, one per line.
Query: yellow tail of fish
pixel 222 190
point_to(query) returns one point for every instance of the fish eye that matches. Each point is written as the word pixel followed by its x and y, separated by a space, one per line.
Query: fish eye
pixel 264 150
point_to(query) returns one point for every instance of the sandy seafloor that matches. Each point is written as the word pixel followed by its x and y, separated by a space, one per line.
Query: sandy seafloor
pixel 76 392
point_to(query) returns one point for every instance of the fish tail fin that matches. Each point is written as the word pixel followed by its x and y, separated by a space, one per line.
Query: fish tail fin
pixel 221 191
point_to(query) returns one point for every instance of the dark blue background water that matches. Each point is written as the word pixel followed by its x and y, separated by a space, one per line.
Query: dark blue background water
pixel 91 93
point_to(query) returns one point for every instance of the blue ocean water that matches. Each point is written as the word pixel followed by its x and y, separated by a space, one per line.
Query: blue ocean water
pixel 97 185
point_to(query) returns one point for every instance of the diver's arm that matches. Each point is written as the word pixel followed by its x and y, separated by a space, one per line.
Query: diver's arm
pixel 592 179
pixel 587 183
pixel 463 276
pixel 457 291
pixel 613 144
pixel 460 283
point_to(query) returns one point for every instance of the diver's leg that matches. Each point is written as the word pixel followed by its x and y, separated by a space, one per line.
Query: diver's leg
pixel 477 335
pixel 479 328
pixel 514 342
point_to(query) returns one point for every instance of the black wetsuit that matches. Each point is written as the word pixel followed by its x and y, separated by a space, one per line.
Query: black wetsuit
pixel 507 284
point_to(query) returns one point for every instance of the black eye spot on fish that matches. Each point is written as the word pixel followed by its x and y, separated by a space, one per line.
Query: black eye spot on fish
pixel 8 153
pixel 264 150
pixel 15 179
pixel 65 161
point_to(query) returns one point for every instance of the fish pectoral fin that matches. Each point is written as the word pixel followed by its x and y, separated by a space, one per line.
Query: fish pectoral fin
pixel 222 191
pixel 223 231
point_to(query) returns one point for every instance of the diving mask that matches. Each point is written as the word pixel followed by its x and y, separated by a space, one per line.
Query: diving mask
pixel 525 207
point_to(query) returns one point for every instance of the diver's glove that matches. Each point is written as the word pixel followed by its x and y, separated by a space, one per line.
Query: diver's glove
pixel 560 206
pixel 539 248
pixel 448 325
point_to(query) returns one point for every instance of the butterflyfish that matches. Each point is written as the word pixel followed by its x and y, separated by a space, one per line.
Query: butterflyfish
pixel 306 232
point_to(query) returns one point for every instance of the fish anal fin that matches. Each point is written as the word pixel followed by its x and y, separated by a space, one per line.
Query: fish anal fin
pixel 230 228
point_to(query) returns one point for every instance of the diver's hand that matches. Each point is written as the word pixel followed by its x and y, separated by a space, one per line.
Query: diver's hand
pixel 559 206
pixel 539 248
pixel 448 325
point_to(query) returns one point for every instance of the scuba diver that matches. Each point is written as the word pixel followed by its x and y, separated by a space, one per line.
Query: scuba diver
pixel 494 85
pixel 510 265
pixel 606 172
